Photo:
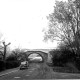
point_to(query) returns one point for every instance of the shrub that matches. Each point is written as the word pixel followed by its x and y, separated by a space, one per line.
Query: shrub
pixel 2 65
pixel 11 58
pixel 61 57
pixel 77 62
pixel 12 64
pixel 55 57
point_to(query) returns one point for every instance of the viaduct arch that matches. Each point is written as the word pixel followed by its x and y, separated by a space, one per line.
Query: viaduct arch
pixel 44 55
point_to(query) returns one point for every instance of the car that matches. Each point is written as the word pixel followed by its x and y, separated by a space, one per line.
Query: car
pixel 24 65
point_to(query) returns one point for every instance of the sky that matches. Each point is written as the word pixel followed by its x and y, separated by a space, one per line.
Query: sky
pixel 22 22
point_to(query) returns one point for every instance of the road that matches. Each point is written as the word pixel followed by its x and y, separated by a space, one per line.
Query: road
pixel 20 74
pixel 34 72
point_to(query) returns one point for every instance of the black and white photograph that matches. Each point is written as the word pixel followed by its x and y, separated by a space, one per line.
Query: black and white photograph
pixel 39 39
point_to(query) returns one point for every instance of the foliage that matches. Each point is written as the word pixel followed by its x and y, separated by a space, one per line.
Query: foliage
pixel 78 62
pixel 12 64
pixel 11 58
pixel 14 59
pixel 19 54
pixel 2 65
pixel 8 65
pixel 61 57
pixel 64 25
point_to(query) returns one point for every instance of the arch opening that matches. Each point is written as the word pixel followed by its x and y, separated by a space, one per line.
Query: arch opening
pixel 35 57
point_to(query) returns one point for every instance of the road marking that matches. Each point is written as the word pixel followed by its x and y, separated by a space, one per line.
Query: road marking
pixel 8 73
pixel 16 77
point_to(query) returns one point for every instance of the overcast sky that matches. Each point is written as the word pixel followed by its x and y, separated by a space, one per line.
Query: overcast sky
pixel 22 22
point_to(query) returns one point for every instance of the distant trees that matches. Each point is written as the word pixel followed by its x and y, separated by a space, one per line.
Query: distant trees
pixel 15 58
pixel 64 24
pixel 19 54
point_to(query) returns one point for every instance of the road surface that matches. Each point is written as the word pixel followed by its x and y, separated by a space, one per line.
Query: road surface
pixel 34 72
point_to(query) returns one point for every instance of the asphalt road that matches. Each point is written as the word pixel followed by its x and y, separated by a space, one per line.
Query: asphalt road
pixel 34 73
pixel 14 74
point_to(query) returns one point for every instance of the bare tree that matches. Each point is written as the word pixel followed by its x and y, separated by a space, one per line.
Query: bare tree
pixel 5 47
pixel 20 54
